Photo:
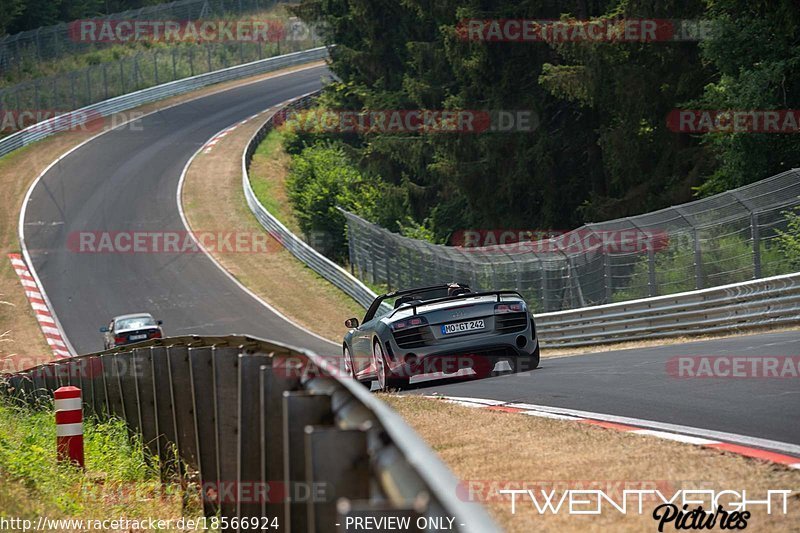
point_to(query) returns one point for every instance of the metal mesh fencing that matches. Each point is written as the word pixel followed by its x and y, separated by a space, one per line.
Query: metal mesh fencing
pixel 727 238
pixel 52 42
pixel 41 98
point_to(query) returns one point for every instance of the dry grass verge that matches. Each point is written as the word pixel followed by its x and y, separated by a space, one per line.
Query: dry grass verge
pixel 24 344
pixel 491 448
pixel 214 201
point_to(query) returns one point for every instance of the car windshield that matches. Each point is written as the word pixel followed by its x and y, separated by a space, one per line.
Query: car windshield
pixel 135 323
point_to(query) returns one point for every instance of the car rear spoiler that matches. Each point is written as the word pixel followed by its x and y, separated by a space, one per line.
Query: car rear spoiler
pixel 458 297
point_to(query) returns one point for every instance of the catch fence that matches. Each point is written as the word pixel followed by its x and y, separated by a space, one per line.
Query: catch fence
pixel 728 238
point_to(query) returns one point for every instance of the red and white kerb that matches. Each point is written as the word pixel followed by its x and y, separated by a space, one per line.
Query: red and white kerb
pixel 43 313
pixel 69 425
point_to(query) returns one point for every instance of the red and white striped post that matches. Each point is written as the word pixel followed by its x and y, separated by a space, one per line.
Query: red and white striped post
pixel 69 425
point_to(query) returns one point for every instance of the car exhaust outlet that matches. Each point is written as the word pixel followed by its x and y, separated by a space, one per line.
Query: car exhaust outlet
pixel 521 341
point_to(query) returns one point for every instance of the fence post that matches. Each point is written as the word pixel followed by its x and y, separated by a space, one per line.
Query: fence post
pixel 88 85
pixel 607 276
pixel 155 66
pixel 69 425
pixel 105 82
pixel 698 260
pixel 754 233
pixel 652 282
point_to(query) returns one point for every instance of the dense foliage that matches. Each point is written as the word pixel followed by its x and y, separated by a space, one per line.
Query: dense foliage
pixel 602 148
pixel 22 15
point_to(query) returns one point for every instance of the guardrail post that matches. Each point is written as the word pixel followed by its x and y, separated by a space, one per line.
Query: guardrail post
pixel 250 475
pixel 182 398
pixel 142 362
pixel 164 411
pixel 273 384
pixel 99 397
pixel 337 466
pixel 226 402
pixel 113 389
pixel 205 423
pixel 300 409
pixel 69 425
pixel 127 383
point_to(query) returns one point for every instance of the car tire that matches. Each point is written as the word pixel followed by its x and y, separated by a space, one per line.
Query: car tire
pixel 526 363
pixel 348 362
pixel 385 380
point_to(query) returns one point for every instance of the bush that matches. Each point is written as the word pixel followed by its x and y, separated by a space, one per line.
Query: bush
pixel 726 259
pixel 789 240
pixel 321 178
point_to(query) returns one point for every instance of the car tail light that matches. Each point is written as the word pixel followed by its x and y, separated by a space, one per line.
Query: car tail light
pixel 508 308
pixel 120 340
pixel 155 335
pixel 412 322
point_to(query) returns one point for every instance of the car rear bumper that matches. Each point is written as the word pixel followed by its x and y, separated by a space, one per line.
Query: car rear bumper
pixel 479 353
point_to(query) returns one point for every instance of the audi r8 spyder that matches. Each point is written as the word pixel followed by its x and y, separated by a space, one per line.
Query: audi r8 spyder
pixel 440 329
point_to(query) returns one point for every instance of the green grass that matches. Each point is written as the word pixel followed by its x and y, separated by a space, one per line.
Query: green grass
pixel 269 148
pixel 119 480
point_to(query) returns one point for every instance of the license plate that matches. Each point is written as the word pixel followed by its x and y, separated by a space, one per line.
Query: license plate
pixel 461 327
pixel 139 337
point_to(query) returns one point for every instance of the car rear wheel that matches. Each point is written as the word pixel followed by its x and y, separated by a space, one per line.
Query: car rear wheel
pixel 526 363
pixel 385 379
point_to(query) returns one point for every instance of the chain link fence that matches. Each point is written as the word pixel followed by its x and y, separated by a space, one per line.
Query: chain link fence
pixel 42 98
pixel 726 238
pixel 52 42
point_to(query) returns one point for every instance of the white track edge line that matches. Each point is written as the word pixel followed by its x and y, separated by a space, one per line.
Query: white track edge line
pixel 179 198
pixel 723 436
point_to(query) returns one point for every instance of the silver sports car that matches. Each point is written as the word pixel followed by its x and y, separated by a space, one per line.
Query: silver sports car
pixel 445 328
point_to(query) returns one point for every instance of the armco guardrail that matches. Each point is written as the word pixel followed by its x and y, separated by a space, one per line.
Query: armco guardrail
pixel 728 308
pixel 771 301
pixel 251 418
pixel 74 119
pixel 299 248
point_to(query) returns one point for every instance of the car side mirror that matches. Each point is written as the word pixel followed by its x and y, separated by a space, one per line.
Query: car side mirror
pixel 104 329
pixel 351 323
pixel 160 322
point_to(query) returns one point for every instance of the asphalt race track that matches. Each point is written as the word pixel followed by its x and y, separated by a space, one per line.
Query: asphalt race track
pixel 126 180
pixel 635 383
